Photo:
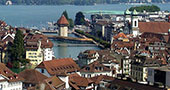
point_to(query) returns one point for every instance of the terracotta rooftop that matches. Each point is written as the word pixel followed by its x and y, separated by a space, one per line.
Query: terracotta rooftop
pixel 120 35
pixel 87 54
pixel 59 66
pixel 62 21
pixel 121 44
pixel 95 67
pixel 152 35
pixel 54 83
pixel 9 75
pixel 97 79
pixel 32 76
pixel 77 81
pixel 32 41
pixel 155 27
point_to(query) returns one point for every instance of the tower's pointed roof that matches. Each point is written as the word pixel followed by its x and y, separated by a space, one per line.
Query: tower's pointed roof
pixel 127 12
pixel 134 12
pixel 62 21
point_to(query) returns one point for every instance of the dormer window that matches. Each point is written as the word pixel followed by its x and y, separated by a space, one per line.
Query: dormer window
pixel 16 76
pixel 5 71
pixel 42 70
pixel 50 82
pixel 96 68
pixel 87 68
pixel 100 68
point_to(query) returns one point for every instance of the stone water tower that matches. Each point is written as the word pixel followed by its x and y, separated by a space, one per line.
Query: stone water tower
pixel 63 26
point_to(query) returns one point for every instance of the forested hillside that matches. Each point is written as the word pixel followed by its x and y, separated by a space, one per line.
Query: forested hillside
pixel 75 2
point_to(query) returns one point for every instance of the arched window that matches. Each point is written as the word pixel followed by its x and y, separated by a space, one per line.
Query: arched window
pixel 135 23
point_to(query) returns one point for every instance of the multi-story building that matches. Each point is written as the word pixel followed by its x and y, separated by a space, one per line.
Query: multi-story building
pixel 31 78
pixel 6 39
pixel 126 66
pixel 159 76
pixel 76 80
pixel 87 57
pixel 34 52
pixel 139 68
pixel 38 48
pixel 95 69
pixel 9 80
pixel 59 67
pixel 139 23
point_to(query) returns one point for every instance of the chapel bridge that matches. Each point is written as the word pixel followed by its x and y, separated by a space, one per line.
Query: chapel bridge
pixel 71 41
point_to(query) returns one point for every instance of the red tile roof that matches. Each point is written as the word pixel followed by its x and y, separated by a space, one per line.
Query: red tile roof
pixel 32 76
pixel 93 67
pixel 32 41
pixel 97 79
pixel 54 83
pixel 59 66
pixel 120 35
pixel 10 76
pixel 76 81
pixel 62 21
pixel 156 27
pixel 121 44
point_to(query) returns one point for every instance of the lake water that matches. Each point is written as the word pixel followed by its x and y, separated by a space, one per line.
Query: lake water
pixel 29 16
pixel 62 52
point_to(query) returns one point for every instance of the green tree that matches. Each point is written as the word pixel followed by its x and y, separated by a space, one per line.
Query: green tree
pixel 71 23
pixel 65 14
pixel 17 49
pixel 80 19
pixel 148 8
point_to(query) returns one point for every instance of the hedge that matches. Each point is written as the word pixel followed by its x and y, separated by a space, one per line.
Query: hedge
pixel 106 44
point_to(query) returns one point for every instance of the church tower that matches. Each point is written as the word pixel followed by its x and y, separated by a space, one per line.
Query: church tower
pixel 134 23
pixel 63 26
pixel 127 14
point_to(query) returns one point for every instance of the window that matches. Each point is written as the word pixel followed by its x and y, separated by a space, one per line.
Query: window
pixel 87 68
pixel 83 75
pixel 135 23
pixel 42 70
pixel 89 75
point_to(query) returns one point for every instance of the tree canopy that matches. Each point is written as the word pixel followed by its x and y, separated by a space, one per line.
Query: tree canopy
pixel 65 14
pixel 148 8
pixel 80 19
pixel 71 23
pixel 18 50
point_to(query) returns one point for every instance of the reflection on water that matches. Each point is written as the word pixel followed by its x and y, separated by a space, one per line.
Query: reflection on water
pixel 61 52
pixel 65 51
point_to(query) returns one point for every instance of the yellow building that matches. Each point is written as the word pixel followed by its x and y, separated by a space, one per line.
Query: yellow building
pixel 34 52
pixel 38 48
